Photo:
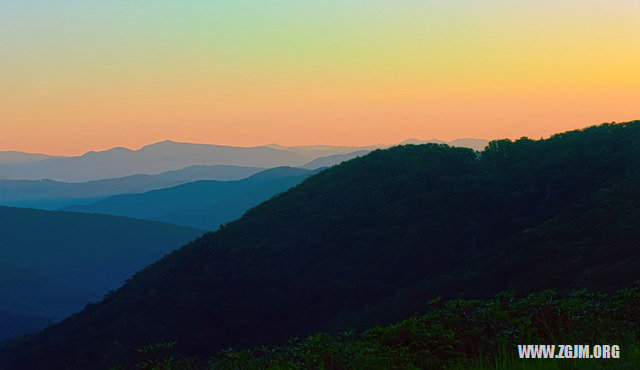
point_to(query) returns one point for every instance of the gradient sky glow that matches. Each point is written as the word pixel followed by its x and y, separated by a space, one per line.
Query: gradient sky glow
pixel 90 75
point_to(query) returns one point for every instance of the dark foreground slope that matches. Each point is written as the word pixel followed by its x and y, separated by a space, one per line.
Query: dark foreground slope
pixel 370 240
pixel 201 204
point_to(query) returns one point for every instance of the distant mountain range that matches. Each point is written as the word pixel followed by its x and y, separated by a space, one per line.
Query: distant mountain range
pixel 201 204
pixel 150 160
pixel 49 194
pixel 21 157
pixel 166 156
pixel 53 263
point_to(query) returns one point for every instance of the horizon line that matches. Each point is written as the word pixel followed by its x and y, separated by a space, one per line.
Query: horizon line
pixel 239 146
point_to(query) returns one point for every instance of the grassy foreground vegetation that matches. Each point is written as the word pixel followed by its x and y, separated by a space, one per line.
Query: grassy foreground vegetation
pixel 453 334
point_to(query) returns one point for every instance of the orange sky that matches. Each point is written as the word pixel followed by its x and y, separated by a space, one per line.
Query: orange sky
pixel 98 75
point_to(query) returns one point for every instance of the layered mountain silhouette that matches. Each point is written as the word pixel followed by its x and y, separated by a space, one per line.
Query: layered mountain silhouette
pixel 13 157
pixel 318 151
pixel 332 160
pixel 201 204
pixel 53 263
pixel 150 160
pixel 157 158
pixel 370 241
pixel 49 194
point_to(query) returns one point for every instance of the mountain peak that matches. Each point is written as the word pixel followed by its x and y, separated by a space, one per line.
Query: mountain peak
pixel 160 144
pixel 118 149
pixel 274 145
pixel 166 142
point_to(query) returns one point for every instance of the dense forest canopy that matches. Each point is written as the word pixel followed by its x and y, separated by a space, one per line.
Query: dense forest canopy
pixel 371 240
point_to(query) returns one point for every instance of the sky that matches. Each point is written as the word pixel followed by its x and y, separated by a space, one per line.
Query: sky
pixel 91 75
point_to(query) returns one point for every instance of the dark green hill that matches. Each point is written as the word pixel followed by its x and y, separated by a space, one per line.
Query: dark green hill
pixel 367 241
pixel 202 204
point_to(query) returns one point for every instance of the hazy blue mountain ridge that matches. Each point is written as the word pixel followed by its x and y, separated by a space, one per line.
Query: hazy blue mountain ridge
pixel 53 263
pixel 49 194
pixel 202 204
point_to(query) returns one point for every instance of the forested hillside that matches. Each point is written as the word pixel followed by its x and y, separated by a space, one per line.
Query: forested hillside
pixel 371 241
